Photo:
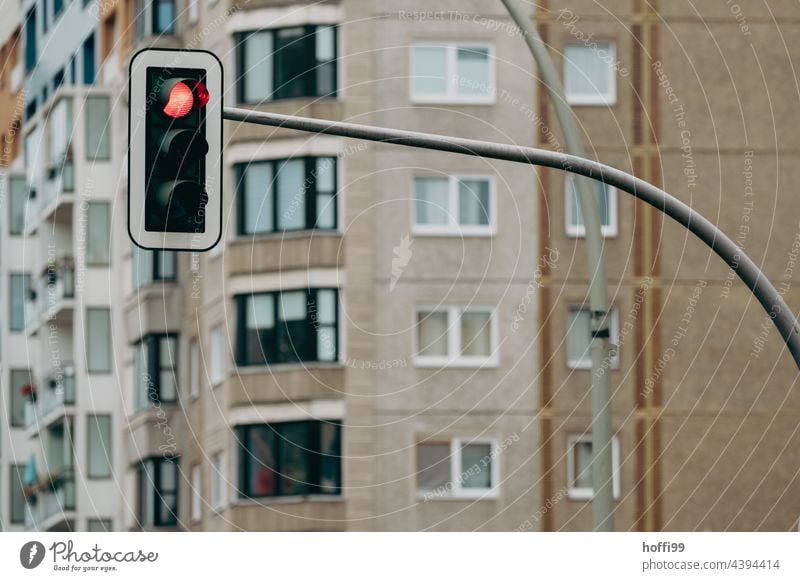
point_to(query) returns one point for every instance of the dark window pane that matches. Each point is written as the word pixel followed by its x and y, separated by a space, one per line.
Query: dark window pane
pixel 295 458
pixel 163 17
pixel 30 40
pixel 293 63
pixel 88 61
pixel 330 473
pixel 261 461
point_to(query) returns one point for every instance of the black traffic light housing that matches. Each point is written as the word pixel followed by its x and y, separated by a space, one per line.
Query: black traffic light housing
pixel 175 146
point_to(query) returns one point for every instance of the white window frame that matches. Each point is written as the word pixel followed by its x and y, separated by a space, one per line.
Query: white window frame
pixel 611 230
pixel 613 329
pixel 453 228
pixel 216 355
pixel 196 495
pixel 452 96
pixel 458 492
pixel 595 98
pixel 194 368
pixel 453 358
pixel 218 481
pixel 194 11
pixel 586 493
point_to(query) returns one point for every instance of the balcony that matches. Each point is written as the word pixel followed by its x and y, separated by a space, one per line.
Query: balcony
pixel 57 392
pixel 57 186
pixel 50 501
pixel 72 136
pixel 52 294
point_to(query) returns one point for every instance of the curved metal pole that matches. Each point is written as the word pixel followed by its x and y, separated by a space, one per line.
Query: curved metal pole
pixel 724 247
pixel 602 425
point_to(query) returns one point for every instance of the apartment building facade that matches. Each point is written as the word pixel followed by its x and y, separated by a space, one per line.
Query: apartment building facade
pixel 387 339
pixel 704 393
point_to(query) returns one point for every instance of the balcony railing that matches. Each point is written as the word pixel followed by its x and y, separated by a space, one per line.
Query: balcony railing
pixel 60 180
pixel 56 391
pixel 55 495
pixel 54 286
pixel 59 389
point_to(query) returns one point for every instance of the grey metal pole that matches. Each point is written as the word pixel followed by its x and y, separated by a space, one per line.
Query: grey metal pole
pixel 602 425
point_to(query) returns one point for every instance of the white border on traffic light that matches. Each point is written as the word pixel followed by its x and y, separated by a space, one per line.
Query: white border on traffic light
pixel 138 101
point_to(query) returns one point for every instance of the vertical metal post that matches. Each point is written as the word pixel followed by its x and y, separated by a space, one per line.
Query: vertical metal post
pixel 602 430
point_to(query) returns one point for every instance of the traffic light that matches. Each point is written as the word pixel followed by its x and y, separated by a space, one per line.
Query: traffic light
pixel 175 150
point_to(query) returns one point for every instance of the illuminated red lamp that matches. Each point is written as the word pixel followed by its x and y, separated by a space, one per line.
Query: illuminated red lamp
pixel 180 102
pixel 182 97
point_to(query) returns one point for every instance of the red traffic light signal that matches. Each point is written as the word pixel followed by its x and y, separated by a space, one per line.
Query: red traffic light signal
pixel 175 150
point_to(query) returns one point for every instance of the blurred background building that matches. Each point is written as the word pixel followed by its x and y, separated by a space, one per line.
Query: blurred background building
pixel 394 339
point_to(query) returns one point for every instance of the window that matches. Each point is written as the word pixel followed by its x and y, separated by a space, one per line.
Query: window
pixel 217 371
pixel 456 336
pixel 590 74
pixel 99 444
pixel 452 73
pixel 606 202
pixel 579 341
pixel 19 379
pixel 98 340
pixel 20 288
pixel 194 369
pixel 460 468
pixel 287 327
pixel 98 233
pixel 30 111
pixel 30 40
pixel 194 12
pixel 58 6
pixel 99 525
pixel 157 485
pixel 98 128
pixel 288 194
pixel 16 209
pixel 155 368
pixel 217 481
pixel 17 498
pixel 579 467
pixel 163 16
pixel 58 79
pixel 153 265
pixel 455 205
pixel 288 459
pixel 89 69
pixel 197 498
pixel 286 63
